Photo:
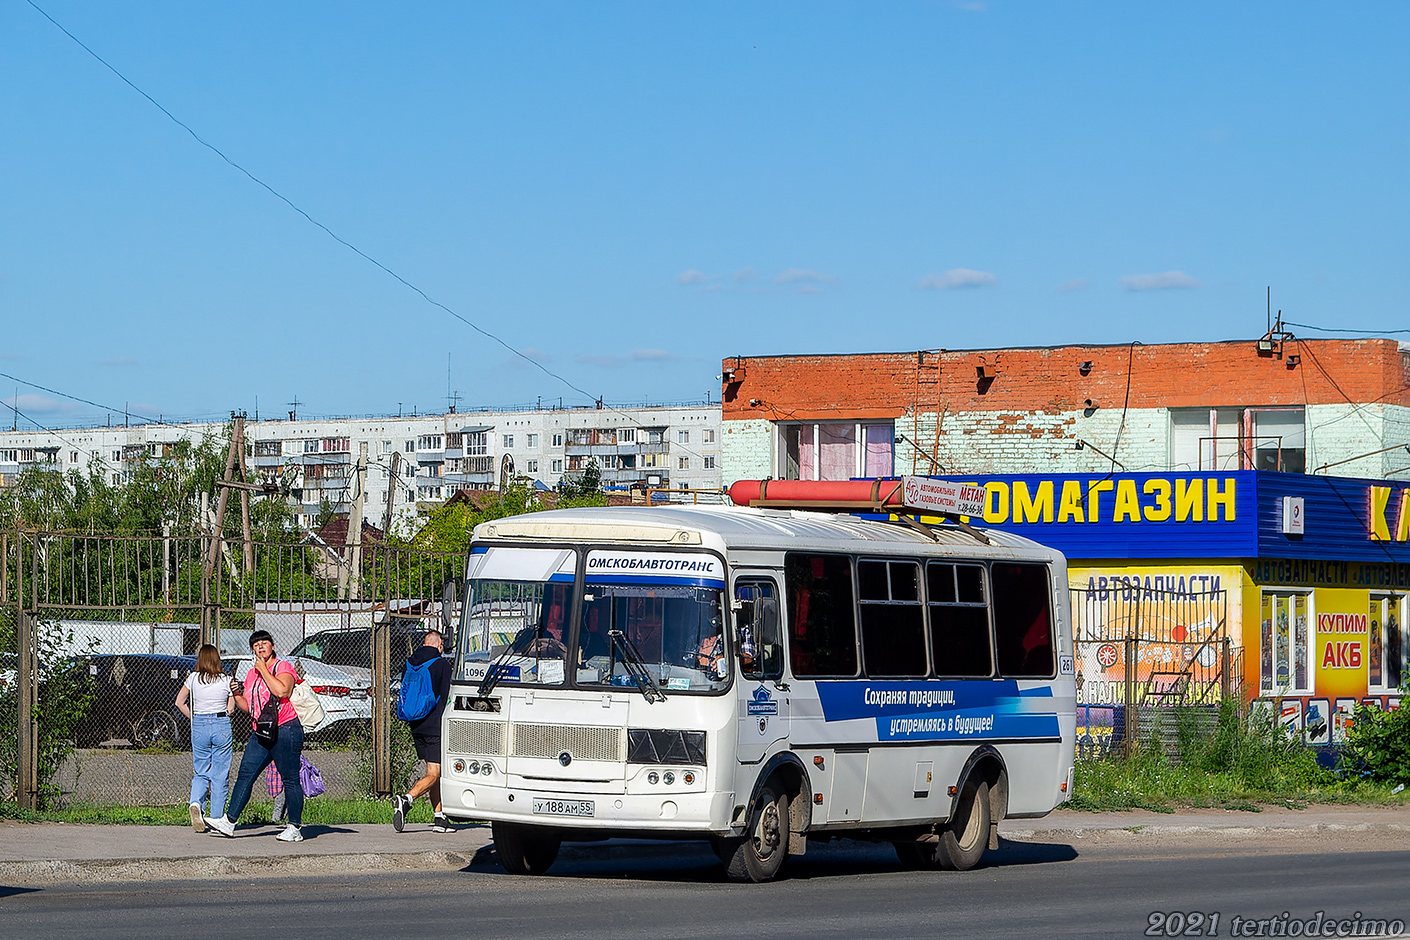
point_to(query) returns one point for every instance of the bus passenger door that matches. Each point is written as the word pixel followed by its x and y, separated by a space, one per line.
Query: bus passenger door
pixel 762 694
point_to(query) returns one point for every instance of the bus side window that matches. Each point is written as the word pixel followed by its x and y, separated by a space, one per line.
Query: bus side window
pixel 760 645
pixel 1023 622
pixel 822 615
pixel 893 621
pixel 959 621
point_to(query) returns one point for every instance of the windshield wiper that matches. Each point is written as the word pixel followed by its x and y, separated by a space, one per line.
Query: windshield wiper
pixel 499 668
pixel 636 667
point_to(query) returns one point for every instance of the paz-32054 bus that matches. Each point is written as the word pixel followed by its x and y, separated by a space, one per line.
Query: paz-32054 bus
pixel 757 678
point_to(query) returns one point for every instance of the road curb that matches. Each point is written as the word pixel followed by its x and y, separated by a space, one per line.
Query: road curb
pixel 1157 829
pixel 312 864
pixel 89 871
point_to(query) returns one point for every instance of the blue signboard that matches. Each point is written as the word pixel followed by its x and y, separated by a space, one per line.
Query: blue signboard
pixel 1201 514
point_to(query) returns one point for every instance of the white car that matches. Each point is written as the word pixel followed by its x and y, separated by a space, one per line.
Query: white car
pixel 344 695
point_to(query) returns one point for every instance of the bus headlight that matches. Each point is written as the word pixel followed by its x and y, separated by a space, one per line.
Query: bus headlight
pixel 670 778
pixel 652 778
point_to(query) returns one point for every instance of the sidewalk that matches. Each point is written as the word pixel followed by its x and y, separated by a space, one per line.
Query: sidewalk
pixel 60 852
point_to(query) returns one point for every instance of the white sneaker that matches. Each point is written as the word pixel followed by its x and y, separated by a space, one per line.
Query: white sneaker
pixel 198 822
pixel 291 833
pixel 442 824
pixel 222 825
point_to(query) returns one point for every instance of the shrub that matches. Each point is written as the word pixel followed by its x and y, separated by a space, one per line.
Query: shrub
pixel 1378 745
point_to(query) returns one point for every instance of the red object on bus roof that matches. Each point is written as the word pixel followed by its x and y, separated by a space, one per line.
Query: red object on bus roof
pixel 843 493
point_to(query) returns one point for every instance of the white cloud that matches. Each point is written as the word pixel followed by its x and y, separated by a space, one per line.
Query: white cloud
pixel 11 357
pixel 1076 284
pixel 536 354
pixel 605 362
pixel 652 355
pixel 30 403
pixel 1166 280
pixel 957 278
pixel 745 274
pixel 692 278
pixel 803 276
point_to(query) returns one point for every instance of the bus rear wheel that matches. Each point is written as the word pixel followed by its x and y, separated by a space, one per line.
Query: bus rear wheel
pixel 759 855
pixel 525 850
pixel 966 836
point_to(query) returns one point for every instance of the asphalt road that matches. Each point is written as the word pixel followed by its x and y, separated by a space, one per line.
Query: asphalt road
pixel 849 890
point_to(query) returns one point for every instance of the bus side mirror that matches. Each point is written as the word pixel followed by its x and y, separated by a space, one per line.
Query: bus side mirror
pixel 449 592
pixel 766 609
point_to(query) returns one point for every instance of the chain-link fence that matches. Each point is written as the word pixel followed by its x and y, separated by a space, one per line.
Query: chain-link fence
pixel 1143 653
pixel 98 635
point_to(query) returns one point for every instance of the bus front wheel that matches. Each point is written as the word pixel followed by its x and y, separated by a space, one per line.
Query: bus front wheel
pixel 759 855
pixel 525 850
pixel 966 836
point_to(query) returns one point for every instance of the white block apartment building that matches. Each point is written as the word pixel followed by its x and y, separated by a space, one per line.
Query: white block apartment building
pixel 675 447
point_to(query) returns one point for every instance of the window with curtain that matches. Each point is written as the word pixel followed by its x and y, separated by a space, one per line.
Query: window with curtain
pixel 835 450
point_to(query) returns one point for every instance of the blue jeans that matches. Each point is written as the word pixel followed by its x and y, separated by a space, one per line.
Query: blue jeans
pixel 212 747
pixel 288 749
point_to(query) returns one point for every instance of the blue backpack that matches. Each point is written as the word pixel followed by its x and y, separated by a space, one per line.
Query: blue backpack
pixel 417 696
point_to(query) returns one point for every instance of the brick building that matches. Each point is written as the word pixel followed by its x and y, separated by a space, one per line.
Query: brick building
pixel 1170 476
pixel 1299 406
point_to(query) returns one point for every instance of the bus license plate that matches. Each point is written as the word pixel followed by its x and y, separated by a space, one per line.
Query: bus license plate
pixel 563 807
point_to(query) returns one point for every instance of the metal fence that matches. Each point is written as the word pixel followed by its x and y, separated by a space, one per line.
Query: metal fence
pixel 1142 653
pixel 98 633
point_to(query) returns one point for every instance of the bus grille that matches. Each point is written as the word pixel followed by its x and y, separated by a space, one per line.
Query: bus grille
pixel 590 743
pixel 475 737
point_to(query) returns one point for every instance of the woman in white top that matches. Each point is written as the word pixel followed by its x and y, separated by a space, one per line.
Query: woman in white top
pixel 208 698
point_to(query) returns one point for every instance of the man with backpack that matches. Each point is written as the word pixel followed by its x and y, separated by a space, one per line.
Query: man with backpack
pixel 424 688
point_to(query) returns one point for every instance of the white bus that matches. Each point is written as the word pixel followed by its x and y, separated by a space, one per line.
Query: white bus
pixel 760 679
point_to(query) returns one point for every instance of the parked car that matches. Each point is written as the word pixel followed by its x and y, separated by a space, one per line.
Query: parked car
pixel 134 697
pixel 343 693
pixel 352 649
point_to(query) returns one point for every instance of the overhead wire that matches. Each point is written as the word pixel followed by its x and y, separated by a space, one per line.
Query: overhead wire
pixel 85 401
pixel 599 399
pixel 1328 329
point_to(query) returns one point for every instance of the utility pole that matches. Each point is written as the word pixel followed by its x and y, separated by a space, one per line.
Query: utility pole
pixel 350 576
pixel 382 653
pixel 392 482
pixel 249 554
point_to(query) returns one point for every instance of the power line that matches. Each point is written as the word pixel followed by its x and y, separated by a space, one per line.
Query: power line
pixel 54 391
pixel 1327 329
pixel 325 229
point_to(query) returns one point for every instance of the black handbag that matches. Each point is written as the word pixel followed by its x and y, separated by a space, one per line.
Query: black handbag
pixel 267 724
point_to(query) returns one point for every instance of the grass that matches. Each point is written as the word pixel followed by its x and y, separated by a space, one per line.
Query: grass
pixel 317 811
pixel 1246 763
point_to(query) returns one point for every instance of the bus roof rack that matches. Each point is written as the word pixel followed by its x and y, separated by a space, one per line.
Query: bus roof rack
pixel 882 497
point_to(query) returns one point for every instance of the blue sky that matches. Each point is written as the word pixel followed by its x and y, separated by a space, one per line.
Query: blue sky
pixel 627 193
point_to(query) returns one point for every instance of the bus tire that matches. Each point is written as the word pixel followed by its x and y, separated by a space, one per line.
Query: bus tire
pixel 966 836
pixel 759 855
pixel 525 850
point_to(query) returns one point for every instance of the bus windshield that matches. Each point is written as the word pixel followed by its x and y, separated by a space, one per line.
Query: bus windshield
pixel 516 616
pixel 677 630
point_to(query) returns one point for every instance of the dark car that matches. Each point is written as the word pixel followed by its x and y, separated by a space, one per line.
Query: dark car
pixel 134 697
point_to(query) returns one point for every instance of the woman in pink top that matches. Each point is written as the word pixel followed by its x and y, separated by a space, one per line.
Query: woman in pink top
pixel 269 677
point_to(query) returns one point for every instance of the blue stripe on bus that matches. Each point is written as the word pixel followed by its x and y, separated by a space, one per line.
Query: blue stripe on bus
pixel 942 711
